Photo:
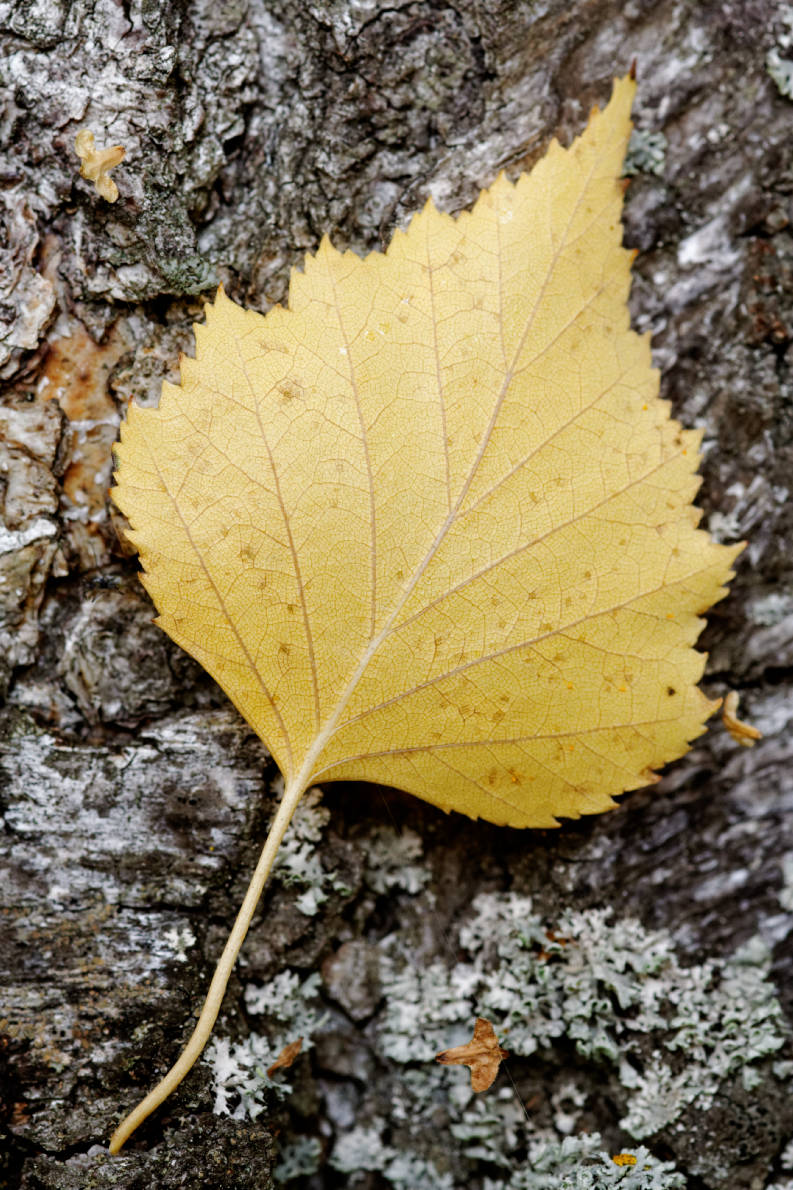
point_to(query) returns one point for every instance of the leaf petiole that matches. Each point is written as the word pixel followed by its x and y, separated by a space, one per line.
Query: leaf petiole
pixel 217 988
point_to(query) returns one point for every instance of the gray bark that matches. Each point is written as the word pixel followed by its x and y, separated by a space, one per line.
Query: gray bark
pixel 134 799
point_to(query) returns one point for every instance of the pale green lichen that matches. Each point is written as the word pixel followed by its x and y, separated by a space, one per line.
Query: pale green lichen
pixel 575 1163
pixel 771 609
pixel 391 857
pixel 786 1166
pixel 408 1171
pixel 490 1128
pixel 781 71
pixel 669 1035
pixel 612 987
pixel 361 1148
pixel 778 64
pixel 239 1069
pixel 427 1009
pixel 298 861
pixel 299 1158
pixel 579 1163
pixel 646 153
pixel 786 891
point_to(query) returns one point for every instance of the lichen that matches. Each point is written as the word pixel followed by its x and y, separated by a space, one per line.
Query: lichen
pixel 575 1163
pixel 180 940
pixel 298 1158
pixel 646 153
pixel 786 891
pixel 361 1148
pixel 613 988
pixel 364 1149
pixel 778 65
pixel 298 861
pixel 579 1163
pixel 781 71
pixel 669 1035
pixel 391 857
pixel 239 1069
pixel 786 1166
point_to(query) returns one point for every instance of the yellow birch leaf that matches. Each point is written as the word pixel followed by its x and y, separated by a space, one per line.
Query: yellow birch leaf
pixel 431 525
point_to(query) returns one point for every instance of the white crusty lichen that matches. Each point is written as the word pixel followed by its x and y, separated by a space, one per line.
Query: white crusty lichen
pixel 180 941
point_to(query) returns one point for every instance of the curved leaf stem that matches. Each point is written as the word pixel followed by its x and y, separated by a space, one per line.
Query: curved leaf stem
pixel 217 988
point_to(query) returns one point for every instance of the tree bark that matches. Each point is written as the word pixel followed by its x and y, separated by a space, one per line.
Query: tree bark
pixel 134 799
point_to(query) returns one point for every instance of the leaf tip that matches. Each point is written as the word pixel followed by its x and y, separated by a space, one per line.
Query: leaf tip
pixel 623 92
pixel 211 305
pixel 325 249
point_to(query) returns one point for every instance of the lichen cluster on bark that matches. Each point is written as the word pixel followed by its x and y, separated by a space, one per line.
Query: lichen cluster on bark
pixel 133 799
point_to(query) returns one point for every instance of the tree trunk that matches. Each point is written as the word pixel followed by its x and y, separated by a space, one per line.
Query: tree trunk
pixel 135 799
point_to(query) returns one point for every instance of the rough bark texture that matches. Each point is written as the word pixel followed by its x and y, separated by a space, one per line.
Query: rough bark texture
pixel 134 799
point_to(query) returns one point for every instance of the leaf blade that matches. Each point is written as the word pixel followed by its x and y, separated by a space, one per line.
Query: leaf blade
pixel 423 503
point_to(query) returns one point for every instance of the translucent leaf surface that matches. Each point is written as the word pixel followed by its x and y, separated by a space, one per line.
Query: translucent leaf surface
pixel 431 526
